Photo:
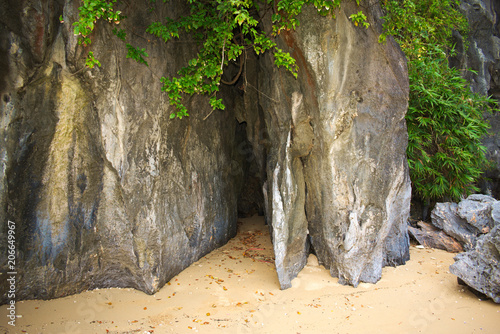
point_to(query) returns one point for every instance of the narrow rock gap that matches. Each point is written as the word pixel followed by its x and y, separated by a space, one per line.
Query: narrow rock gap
pixel 251 199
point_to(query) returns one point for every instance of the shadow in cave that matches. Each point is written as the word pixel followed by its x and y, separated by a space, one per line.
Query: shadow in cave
pixel 249 158
pixel 250 194
pixel 251 201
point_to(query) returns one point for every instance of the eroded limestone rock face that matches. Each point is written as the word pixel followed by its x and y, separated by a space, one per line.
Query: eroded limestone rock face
pixel 467 220
pixel 474 223
pixel 107 192
pixel 480 268
pixel 337 176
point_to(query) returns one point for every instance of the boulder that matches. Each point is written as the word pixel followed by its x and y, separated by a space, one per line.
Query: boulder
pixel 479 268
pixel 467 220
pixel 432 237
pixel 445 217
pixel 474 222
pixel 476 210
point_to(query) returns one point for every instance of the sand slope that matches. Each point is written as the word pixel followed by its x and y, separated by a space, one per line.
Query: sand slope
pixel 234 289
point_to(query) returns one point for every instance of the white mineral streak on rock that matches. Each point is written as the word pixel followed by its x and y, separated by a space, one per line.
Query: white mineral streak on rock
pixel 353 231
pixel 280 217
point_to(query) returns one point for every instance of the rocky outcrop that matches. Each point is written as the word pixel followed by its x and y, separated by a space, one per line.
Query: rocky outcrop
pixel 495 213
pixel 105 191
pixel 431 237
pixel 474 223
pixel 480 267
pixel 467 220
pixel 481 55
pixel 103 188
pixel 337 177
pixel 480 52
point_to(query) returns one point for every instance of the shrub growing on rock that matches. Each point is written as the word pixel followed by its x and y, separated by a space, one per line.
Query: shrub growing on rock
pixel 445 119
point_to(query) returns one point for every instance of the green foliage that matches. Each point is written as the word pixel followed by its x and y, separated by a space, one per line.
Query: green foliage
pixel 89 13
pixel 285 17
pixel 424 22
pixel 445 120
pixel 120 33
pixel 91 61
pixel 137 54
pixel 445 126
pixel 359 19
pixel 224 30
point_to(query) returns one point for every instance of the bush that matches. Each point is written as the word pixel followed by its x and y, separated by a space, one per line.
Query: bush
pixel 445 119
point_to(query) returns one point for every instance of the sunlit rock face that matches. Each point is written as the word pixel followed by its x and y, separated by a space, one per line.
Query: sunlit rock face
pixel 337 176
pixel 106 191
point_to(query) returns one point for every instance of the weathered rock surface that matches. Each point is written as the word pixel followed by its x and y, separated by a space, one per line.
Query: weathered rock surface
pixel 480 268
pixel 467 220
pixel 483 57
pixel 476 210
pixel 474 223
pixel 106 191
pixel 445 217
pixel 337 176
pixel 432 237
pixel 495 213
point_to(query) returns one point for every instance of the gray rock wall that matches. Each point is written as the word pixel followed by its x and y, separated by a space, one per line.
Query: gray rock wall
pixel 483 57
pixel 106 191
pixel 337 176
pixel 479 268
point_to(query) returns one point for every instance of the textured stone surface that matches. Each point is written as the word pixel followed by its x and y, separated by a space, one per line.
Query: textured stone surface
pixel 106 191
pixel 466 221
pixel 432 237
pixel 445 217
pixel 495 213
pixel 482 53
pixel 483 57
pixel 476 210
pixel 337 176
pixel 480 268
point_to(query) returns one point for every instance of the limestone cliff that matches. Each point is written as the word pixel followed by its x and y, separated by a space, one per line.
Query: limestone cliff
pixel 337 176
pixel 107 192
pixel 480 52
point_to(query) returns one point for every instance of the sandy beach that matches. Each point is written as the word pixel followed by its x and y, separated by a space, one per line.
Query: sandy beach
pixel 234 289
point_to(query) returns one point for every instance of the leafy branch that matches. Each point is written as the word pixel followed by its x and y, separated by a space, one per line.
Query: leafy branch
pixel 214 24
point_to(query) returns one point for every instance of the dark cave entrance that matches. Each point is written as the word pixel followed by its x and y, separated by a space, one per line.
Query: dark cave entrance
pixel 252 175
pixel 251 137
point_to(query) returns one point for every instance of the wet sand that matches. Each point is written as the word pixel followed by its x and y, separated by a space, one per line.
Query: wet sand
pixel 234 289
